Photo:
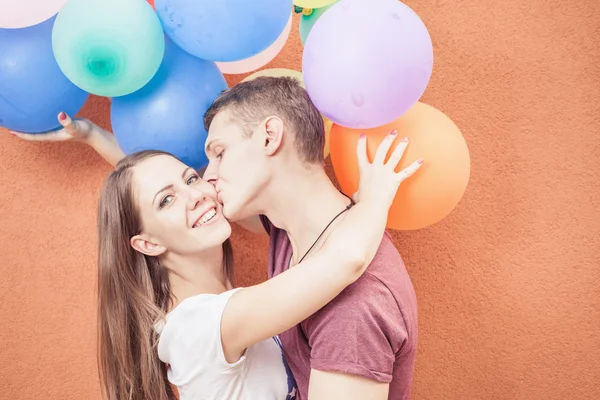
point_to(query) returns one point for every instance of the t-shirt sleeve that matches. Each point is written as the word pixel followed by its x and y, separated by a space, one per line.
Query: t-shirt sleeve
pixel 191 337
pixel 358 333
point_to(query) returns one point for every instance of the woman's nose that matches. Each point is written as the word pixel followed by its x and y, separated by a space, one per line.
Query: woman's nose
pixel 196 196
pixel 199 193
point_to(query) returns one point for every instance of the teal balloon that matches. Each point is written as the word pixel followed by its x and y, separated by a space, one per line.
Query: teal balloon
pixel 307 21
pixel 108 47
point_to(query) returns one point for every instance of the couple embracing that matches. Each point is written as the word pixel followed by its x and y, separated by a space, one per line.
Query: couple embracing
pixel 337 318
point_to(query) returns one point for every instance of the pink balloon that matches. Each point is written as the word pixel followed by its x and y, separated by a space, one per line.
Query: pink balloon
pixel 259 60
pixel 25 13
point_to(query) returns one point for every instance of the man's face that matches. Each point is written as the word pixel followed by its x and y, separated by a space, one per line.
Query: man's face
pixel 237 166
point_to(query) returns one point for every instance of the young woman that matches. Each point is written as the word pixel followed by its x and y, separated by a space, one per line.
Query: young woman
pixel 168 312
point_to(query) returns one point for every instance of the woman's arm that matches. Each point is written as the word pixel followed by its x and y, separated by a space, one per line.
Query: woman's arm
pixel 258 312
pixel 80 130
pixel 106 145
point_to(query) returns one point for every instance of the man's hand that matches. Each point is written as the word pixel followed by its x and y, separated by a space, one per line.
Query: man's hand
pixel 325 385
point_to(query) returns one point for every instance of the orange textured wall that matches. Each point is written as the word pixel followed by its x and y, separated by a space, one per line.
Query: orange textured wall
pixel 508 285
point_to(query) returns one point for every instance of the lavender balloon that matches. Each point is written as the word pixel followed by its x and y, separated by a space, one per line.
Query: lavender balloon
pixel 366 62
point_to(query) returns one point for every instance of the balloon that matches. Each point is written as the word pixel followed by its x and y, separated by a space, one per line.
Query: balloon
pixel 108 47
pixel 167 114
pixel 436 188
pixel 313 3
pixel 25 13
pixel 278 72
pixel 259 60
pixel 33 90
pixel 308 20
pixel 221 30
pixel 365 62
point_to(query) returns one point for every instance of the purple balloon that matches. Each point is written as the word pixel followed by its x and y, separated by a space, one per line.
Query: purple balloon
pixel 366 62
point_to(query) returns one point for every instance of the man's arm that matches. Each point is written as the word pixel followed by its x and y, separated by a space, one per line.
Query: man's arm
pixel 334 385
pixel 354 341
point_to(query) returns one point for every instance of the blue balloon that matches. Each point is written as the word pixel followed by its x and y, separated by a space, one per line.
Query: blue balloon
pixel 33 89
pixel 168 113
pixel 223 30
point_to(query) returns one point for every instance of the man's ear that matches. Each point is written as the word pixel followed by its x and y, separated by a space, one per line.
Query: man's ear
pixel 145 246
pixel 273 135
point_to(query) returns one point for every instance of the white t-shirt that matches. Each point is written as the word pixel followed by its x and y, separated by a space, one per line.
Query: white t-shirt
pixel 190 343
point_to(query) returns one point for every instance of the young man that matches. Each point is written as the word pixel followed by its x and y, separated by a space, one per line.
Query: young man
pixel 265 147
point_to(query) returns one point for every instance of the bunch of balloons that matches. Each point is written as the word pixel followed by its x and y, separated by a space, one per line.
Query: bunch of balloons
pixel 365 66
pixel 161 62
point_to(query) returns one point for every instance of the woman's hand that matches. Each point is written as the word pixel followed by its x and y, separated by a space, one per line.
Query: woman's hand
pixel 78 130
pixel 378 180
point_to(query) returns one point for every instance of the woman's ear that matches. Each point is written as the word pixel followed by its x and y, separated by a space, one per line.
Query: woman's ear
pixel 273 134
pixel 145 246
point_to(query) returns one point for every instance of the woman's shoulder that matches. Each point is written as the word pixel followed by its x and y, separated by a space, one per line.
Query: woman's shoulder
pixel 199 301
pixel 206 304
pixel 193 328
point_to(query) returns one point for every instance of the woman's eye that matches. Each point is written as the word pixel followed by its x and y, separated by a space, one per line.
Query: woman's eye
pixel 192 179
pixel 165 201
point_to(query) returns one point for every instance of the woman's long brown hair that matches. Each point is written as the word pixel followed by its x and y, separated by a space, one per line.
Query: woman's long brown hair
pixel 133 295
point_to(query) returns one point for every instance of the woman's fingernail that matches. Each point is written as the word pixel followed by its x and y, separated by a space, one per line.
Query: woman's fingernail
pixel 362 135
pixel 405 139
pixel 12 133
pixel 394 132
pixel 420 161
pixel 62 116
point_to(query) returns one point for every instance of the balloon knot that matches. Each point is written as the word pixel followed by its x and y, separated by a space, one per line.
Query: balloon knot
pixel 302 10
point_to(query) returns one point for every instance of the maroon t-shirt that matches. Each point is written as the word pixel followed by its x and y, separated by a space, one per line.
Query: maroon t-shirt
pixel 369 329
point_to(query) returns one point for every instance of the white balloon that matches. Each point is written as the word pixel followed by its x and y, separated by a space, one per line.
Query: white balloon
pixel 25 13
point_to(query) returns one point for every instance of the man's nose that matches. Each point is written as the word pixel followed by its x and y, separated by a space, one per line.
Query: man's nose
pixel 210 174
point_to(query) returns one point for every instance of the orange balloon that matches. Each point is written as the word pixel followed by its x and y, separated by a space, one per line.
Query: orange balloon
pixel 435 189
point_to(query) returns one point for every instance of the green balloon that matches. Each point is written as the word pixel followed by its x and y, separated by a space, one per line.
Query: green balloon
pixel 108 47
pixel 307 21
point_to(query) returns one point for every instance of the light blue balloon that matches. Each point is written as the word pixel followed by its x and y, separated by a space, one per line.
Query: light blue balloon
pixel 108 47
pixel 223 30
pixel 168 113
pixel 33 90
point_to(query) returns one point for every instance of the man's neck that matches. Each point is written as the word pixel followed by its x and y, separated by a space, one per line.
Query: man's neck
pixel 303 204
